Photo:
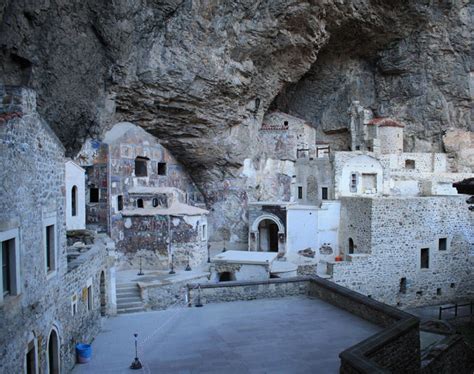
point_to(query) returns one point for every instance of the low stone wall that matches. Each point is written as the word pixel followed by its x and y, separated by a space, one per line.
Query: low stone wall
pixel 395 349
pixel 234 291
pixel 451 355
pixel 164 296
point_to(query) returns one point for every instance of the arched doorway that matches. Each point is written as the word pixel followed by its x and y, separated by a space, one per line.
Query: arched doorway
pixel 53 352
pixel 103 299
pixel 268 234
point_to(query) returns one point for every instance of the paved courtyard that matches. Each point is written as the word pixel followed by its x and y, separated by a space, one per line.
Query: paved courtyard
pixel 288 335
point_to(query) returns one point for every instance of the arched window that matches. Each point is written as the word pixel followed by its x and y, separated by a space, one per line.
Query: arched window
pixel 351 246
pixel 74 201
pixel 154 202
pixel 140 203
pixel 53 352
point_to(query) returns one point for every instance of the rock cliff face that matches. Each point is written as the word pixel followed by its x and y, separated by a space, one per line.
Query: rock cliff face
pixel 201 74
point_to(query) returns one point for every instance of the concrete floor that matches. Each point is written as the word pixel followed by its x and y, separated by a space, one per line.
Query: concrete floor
pixel 288 335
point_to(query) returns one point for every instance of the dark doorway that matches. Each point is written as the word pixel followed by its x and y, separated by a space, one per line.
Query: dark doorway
pixel 53 353
pixel 31 359
pixel 273 237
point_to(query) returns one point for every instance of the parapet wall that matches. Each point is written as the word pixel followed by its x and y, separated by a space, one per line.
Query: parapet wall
pixel 395 349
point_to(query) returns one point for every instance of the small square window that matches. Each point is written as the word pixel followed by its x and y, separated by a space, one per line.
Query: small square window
pixel 442 244
pixel 161 168
pixel 141 169
pixel 410 164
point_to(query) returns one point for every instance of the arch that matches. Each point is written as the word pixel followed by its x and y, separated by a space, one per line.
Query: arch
pixel 103 294
pixel 226 276
pixel 74 198
pixel 351 246
pixel 271 217
pixel 53 352
pixel 268 236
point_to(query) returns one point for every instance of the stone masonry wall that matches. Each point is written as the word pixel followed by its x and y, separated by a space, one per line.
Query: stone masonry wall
pixel 400 228
pixel 32 176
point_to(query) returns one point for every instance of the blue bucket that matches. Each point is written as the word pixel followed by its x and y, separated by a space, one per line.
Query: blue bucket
pixel 83 353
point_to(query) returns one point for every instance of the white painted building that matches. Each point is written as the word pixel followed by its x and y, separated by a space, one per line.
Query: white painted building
pixel 75 196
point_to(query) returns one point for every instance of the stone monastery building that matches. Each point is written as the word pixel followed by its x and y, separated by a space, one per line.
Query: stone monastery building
pixel 403 232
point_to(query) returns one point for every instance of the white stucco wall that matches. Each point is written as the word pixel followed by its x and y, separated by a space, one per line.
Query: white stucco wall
pixel 328 228
pixel 75 176
pixel 359 164
pixel 302 226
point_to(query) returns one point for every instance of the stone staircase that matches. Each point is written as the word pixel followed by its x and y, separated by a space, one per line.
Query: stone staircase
pixel 128 298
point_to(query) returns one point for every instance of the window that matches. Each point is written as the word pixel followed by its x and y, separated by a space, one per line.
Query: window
pixel 300 192
pixel 8 251
pixel 89 298
pixel 204 232
pixel 161 168
pixel 410 164
pixel 351 246
pixel 120 202
pixel 403 285
pixel 94 195
pixel 285 123
pixel 9 263
pixel 50 248
pixel 140 203
pixel 154 202
pixel 442 244
pixel 324 193
pixel 141 166
pixel 74 305
pixel 425 258
pixel 31 358
pixel 74 201
pixel 353 185
pixel 438 291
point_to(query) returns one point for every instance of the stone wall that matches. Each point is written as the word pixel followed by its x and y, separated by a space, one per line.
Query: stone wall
pixel 399 228
pixel 33 196
pixel 451 355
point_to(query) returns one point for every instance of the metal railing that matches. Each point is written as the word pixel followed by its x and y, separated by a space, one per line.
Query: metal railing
pixel 456 308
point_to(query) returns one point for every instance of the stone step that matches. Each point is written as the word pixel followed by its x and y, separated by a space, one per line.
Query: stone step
pixel 125 286
pixel 128 294
pixel 130 310
pixel 133 304
pixel 127 299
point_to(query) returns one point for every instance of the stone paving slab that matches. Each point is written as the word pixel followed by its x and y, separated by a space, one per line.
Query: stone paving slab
pixel 287 335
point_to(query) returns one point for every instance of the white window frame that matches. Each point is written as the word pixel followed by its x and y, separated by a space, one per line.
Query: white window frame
pixel 32 338
pixel 46 223
pixel 16 285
